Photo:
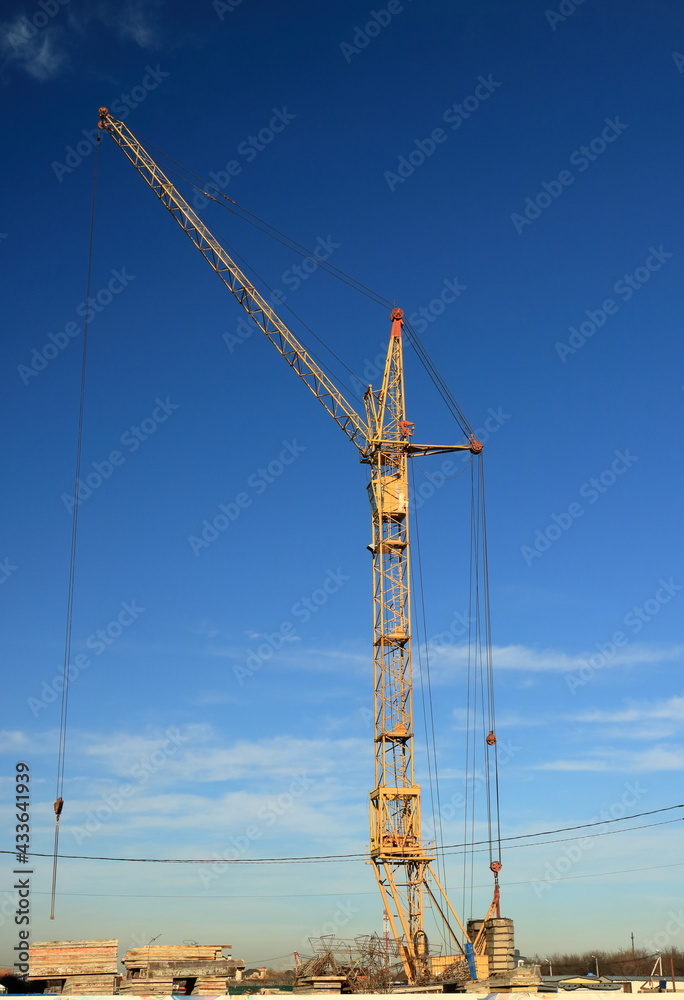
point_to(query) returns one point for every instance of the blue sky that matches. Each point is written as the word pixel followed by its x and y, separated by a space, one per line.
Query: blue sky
pixel 511 174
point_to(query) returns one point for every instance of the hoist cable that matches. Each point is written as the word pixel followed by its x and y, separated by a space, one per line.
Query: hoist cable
pixel 428 708
pixel 494 748
pixel 480 627
pixel 482 684
pixel 438 381
pixel 276 234
pixel 282 302
pixel 474 661
pixel 64 707
pixel 290 242
pixel 301 250
pixel 469 697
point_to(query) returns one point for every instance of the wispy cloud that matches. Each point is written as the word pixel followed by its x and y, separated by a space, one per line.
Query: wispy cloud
pixel 43 50
pixel 306 658
pixel 208 698
pixel 671 710
pixel 203 627
pixel 13 739
pixel 198 778
pixel 132 21
pixel 39 53
pixel 526 658
pixel 200 753
pixel 505 720
pixel 658 758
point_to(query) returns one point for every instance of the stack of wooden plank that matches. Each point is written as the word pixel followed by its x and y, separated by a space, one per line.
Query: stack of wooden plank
pixel 170 954
pixel 202 970
pixel 85 986
pixel 76 968
pixel 57 959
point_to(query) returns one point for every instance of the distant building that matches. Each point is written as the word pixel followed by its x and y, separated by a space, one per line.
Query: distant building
pixel 75 968
pixel 255 973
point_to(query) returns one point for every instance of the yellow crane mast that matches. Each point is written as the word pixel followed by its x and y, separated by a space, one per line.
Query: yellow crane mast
pixel 402 867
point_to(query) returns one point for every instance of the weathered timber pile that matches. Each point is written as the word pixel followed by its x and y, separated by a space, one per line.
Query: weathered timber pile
pixel 205 986
pixel 201 970
pixel 319 984
pixel 75 968
pixel 170 954
pixel 57 959
pixel 88 986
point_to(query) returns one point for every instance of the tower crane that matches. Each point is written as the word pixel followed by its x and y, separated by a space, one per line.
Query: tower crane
pixel 402 865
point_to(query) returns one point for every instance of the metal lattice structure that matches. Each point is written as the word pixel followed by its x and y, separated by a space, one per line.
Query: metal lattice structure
pixel 401 864
pixel 368 963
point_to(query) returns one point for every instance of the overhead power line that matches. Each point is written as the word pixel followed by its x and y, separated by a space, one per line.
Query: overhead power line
pixel 317 858
pixel 308 895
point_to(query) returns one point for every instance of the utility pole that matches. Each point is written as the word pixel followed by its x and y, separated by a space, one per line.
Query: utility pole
pixel 632 935
pixel 148 953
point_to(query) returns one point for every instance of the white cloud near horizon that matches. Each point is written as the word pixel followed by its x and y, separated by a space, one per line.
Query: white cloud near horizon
pixel 196 753
pixel 519 657
pixel 656 758
pixel 671 710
